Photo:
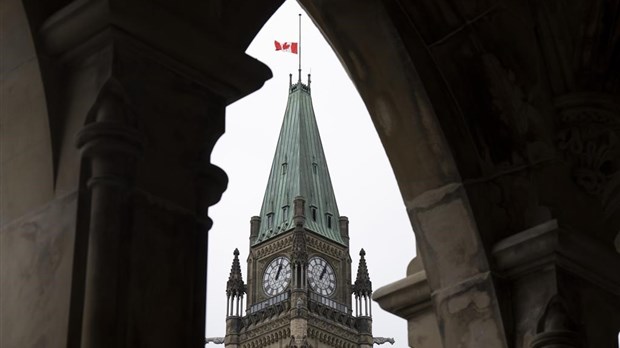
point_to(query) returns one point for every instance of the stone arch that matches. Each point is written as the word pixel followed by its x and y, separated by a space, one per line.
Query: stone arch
pixel 28 161
pixel 458 108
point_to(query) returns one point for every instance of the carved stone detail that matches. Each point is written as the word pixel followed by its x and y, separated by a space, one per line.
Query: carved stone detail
pixel 556 328
pixel 515 134
pixel 269 333
pixel 332 314
pixel 589 137
pixel 324 247
pixel 282 244
pixel 273 247
pixel 332 328
pixel 263 329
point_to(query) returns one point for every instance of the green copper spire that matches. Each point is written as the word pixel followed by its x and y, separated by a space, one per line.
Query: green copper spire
pixel 299 169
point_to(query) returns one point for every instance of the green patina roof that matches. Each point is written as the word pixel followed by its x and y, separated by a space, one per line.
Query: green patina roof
pixel 299 169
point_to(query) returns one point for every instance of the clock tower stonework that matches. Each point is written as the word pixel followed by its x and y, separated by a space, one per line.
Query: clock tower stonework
pixel 299 291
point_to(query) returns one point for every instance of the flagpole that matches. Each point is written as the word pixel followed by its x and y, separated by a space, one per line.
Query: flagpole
pixel 299 68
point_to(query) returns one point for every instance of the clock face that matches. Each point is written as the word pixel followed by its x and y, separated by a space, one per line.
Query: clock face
pixel 277 276
pixel 321 276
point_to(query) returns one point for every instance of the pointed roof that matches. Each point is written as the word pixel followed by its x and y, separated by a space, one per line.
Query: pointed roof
pixel 299 168
pixel 362 285
pixel 235 285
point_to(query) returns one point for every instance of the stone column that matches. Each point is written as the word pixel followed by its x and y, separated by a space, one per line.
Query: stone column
pixel 146 226
pixel 111 144
pixel 364 327
pixel 556 283
pixel 233 326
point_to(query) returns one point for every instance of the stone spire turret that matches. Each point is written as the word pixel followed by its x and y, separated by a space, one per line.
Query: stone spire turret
pixel 362 290
pixel 362 285
pixel 235 285
pixel 235 289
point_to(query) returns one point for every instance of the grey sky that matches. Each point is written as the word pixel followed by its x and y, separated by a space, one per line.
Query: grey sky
pixel 363 181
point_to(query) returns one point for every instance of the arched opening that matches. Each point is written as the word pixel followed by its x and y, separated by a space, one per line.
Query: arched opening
pixel 364 184
pixel 483 108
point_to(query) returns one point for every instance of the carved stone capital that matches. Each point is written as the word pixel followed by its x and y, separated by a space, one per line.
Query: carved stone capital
pixel 556 328
pixel 111 128
pixel 109 138
pixel 589 138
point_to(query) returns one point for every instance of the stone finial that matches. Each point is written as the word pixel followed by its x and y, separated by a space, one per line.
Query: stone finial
pixel 254 227
pixel 362 285
pixel 344 229
pixel 235 285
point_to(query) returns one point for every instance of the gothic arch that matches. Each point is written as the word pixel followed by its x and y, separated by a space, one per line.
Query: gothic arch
pixel 482 122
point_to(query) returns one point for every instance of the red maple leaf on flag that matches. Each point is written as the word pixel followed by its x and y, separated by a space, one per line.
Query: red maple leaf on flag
pixel 291 47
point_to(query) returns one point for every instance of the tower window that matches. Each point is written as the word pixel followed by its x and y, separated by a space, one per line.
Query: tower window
pixel 313 209
pixel 284 212
pixel 284 167
pixel 270 220
pixel 315 168
pixel 329 221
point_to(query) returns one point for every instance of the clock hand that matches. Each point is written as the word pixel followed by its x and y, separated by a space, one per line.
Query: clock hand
pixel 323 272
pixel 279 269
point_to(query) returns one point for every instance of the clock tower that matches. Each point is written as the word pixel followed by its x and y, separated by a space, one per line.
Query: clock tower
pixel 299 291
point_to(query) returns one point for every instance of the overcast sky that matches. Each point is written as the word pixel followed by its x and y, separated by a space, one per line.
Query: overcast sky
pixel 363 181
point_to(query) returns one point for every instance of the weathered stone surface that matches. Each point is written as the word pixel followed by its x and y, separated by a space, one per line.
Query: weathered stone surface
pixel 410 298
pixel 468 314
pixel 25 154
pixel 17 45
pixel 36 260
pixel 463 254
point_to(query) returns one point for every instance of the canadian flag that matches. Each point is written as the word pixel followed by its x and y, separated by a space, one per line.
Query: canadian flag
pixel 286 47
